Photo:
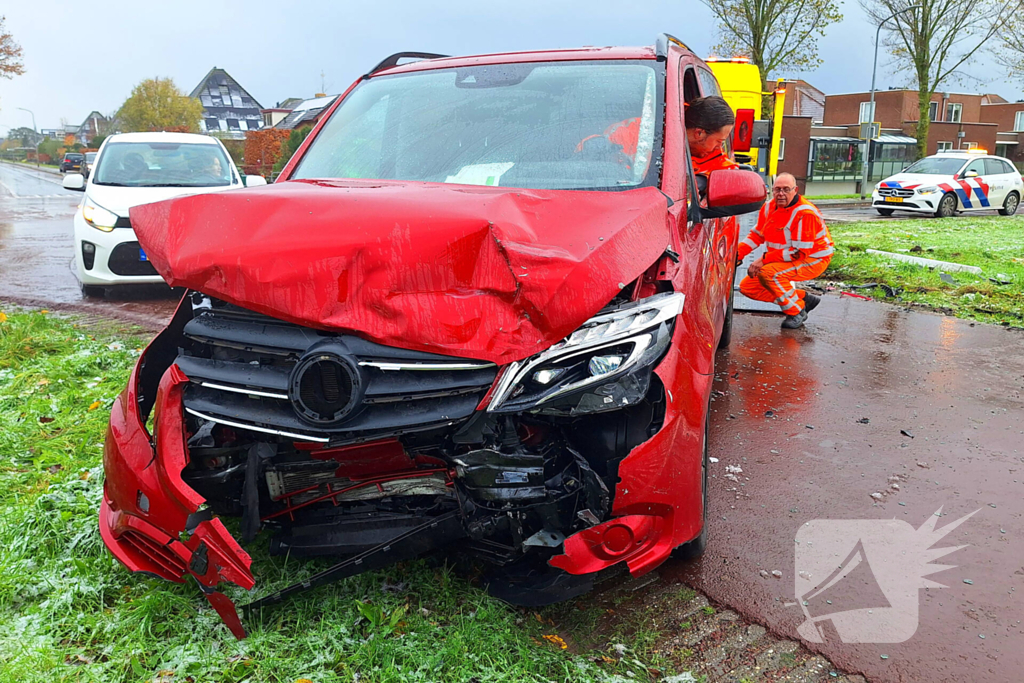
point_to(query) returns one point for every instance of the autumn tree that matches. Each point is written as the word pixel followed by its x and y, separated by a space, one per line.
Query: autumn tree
pixel 291 145
pixel 158 104
pixel 263 149
pixel 775 34
pixel 10 54
pixel 935 41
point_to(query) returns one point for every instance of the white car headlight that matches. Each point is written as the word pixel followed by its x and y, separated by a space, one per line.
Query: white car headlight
pixel 603 365
pixel 98 217
pixel 930 189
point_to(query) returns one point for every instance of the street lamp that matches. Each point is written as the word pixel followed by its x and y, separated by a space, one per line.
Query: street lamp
pixel 34 131
pixel 871 109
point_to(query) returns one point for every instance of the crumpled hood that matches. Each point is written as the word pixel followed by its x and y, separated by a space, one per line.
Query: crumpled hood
pixel 494 274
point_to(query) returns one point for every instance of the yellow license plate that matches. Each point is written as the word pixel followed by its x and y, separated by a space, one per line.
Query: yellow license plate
pixel 894 200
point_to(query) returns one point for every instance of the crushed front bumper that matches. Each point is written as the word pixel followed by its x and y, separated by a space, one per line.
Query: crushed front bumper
pixel 149 519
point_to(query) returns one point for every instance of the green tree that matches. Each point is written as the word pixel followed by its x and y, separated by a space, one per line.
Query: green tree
pixel 50 147
pixel 934 41
pixel 774 34
pixel 158 104
pixel 289 146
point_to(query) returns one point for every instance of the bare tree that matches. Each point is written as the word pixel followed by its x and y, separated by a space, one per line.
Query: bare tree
pixel 10 54
pixel 1009 49
pixel 936 40
pixel 774 34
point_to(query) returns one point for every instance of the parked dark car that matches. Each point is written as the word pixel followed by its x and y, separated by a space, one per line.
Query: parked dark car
pixel 72 161
pixel 485 326
pixel 90 161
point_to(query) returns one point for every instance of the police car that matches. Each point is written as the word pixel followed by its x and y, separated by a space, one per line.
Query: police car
pixel 947 183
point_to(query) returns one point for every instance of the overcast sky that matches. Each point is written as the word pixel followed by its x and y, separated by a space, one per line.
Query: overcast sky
pixel 81 56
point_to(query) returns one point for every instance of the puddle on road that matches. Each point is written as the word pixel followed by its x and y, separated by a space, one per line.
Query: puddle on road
pixel 37 266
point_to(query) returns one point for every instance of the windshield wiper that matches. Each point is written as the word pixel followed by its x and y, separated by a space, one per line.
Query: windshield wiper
pixel 96 182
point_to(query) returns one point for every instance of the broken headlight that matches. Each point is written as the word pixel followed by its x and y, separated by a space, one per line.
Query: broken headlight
pixel 604 365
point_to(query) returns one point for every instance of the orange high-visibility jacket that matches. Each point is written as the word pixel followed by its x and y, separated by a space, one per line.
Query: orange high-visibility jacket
pixel 792 233
pixel 716 161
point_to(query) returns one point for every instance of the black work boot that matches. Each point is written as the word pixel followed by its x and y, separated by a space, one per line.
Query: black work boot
pixel 792 322
pixel 810 302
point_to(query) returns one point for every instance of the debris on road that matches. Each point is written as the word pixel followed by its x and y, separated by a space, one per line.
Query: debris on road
pixel 927 262
pixel 904 432
pixel 864 421
pixel 855 296
pixel 889 291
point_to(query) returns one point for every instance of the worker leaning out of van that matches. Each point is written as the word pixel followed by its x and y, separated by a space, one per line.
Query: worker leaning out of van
pixel 709 122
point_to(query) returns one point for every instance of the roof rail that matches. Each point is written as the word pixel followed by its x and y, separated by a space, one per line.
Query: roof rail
pixel 662 43
pixel 391 61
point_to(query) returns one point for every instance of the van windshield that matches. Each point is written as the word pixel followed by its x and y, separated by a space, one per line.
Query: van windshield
pixel 162 164
pixel 549 125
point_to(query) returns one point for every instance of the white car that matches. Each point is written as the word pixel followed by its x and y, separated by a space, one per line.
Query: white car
pixel 133 169
pixel 951 182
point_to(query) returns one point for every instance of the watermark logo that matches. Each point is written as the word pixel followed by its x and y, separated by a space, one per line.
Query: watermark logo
pixel 857 580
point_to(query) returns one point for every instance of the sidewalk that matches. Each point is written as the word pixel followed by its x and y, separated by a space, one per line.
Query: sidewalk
pixel 840 202
pixel 32 167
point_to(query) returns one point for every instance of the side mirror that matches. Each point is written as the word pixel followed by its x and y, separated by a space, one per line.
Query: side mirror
pixel 74 181
pixel 254 180
pixel 971 174
pixel 733 192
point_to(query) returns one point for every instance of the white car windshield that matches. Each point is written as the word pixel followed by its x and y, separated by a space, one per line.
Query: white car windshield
pixel 162 164
pixel 936 166
pixel 562 125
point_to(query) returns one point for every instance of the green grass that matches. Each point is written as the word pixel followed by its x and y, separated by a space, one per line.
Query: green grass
pixel 835 196
pixel 70 612
pixel 993 243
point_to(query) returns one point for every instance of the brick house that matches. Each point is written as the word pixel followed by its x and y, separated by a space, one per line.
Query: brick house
pixel 956 118
pixel 1008 118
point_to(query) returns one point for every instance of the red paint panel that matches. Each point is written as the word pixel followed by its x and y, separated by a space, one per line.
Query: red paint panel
pixel 489 273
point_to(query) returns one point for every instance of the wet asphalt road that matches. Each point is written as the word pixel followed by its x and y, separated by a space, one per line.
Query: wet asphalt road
pixel 36 254
pixel 790 413
pixel 813 418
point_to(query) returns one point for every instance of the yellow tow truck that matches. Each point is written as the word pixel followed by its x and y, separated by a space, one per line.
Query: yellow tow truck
pixel 755 139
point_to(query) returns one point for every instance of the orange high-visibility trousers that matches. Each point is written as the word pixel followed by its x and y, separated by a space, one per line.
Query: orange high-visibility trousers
pixel 775 282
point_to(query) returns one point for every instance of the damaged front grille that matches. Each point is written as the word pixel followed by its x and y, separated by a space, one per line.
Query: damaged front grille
pixel 255 372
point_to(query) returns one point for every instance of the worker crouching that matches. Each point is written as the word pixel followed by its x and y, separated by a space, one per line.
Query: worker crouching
pixel 799 248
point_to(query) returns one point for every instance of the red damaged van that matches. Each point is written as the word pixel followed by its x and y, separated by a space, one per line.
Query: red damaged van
pixel 478 312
